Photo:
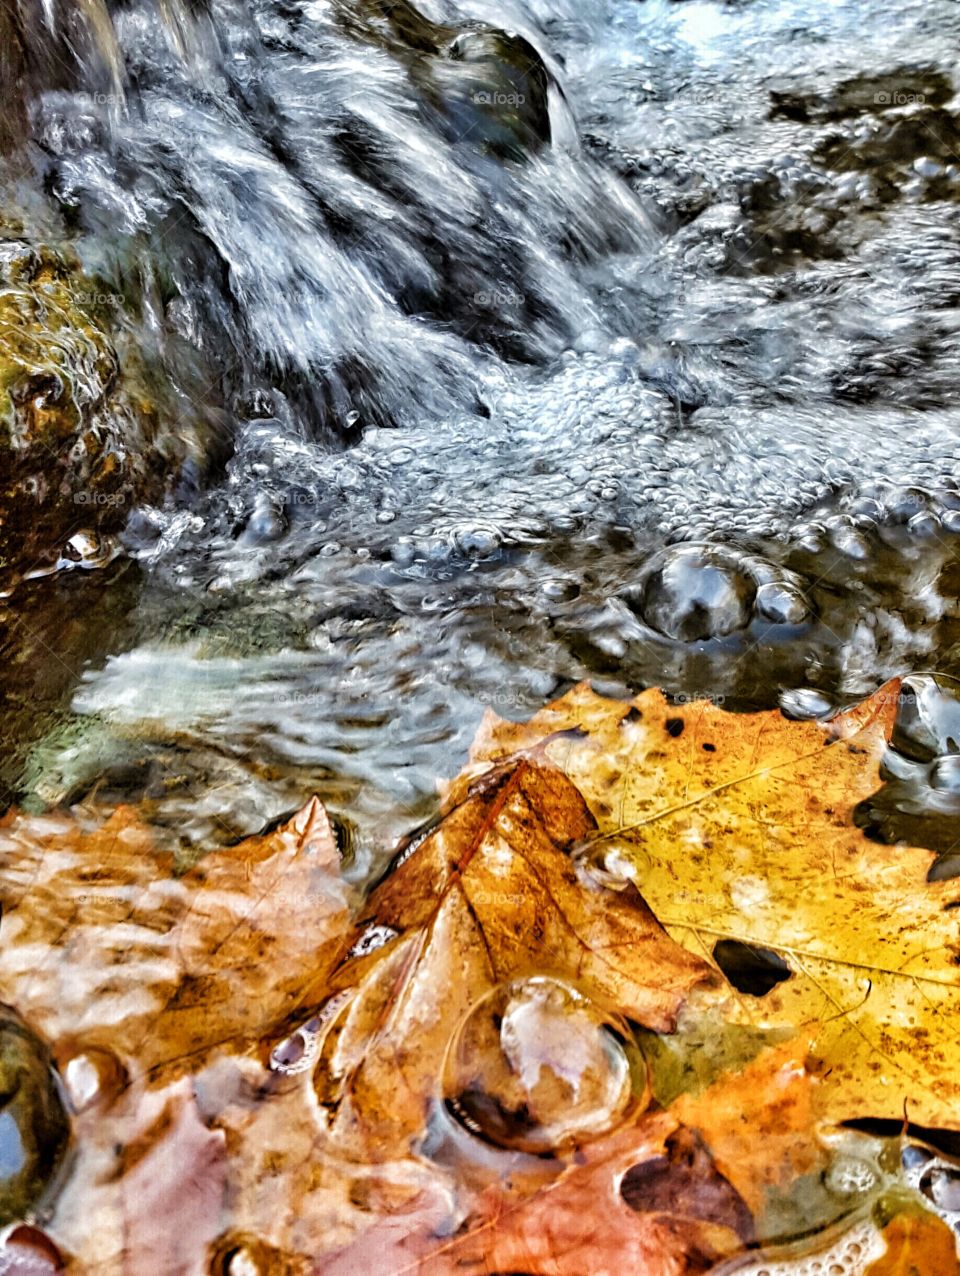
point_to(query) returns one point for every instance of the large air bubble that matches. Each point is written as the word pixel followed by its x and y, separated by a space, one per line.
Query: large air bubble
pixel 537 1067
pixel 693 593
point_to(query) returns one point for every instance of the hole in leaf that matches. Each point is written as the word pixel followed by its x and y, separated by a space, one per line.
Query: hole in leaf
pixel 751 969
pixel 946 1142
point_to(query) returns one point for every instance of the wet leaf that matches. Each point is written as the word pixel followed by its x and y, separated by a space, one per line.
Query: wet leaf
pixel 918 1244
pixel 554 1232
pixel 147 1189
pixel 295 1197
pixel 739 828
pixel 759 1123
pixel 652 1197
pixel 495 894
pixel 105 950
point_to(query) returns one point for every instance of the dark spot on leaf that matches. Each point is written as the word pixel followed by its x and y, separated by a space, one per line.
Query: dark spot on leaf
pixel 674 727
pixel 751 969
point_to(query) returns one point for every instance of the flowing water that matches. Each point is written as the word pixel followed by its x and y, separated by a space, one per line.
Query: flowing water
pixel 490 342
pixel 510 343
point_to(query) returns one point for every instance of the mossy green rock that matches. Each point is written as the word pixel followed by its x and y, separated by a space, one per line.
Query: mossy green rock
pixel 75 434
pixel 34 1127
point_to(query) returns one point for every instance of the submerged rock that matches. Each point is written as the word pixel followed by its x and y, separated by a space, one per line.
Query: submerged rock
pixel 482 86
pixel 78 440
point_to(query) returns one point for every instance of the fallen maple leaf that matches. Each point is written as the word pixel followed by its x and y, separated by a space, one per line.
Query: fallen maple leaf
pixel 682 1218
pixel 494 894
pixel 679 1216
pixel 759 1124
pixel 918 1244
pixel 740 826
pixel 655 1197
pixel 105 949
pixel 146 1192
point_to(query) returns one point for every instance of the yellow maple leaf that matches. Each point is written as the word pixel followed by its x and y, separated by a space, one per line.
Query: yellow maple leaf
pixel 740 827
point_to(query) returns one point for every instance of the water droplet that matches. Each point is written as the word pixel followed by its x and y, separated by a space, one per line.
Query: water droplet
pixel 609 865
pixel 536 1066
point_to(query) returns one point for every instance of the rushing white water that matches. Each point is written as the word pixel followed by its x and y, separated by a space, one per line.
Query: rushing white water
pixel 491 322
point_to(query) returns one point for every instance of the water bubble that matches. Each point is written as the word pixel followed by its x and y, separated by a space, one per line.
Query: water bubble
pixel 850 1176
pixel 610 865
pixel 371 939
pixel 536 1066
pixel 783 604
pixel 927 724
pixel 697 592
pixel 557 589
pixel 924 526
pixel 299 1051
pixel 476 541
pixel 92 1078
pixel 914 1157
pixel 266 523
pixel 805 704
pixel 941 1185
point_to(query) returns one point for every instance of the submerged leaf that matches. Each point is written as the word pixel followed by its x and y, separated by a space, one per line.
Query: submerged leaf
pixel 104 949
pixel 657 1197
pixel 918 1244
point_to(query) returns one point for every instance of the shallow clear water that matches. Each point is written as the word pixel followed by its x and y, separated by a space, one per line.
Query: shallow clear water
pixel 520 343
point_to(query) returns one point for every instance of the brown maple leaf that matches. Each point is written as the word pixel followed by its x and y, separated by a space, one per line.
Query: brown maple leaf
pixel 494 894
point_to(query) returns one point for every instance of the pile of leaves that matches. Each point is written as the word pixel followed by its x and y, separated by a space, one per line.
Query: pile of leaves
pixel 603 1016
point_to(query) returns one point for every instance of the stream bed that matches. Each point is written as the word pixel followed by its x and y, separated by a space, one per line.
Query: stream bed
pixel 445 358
